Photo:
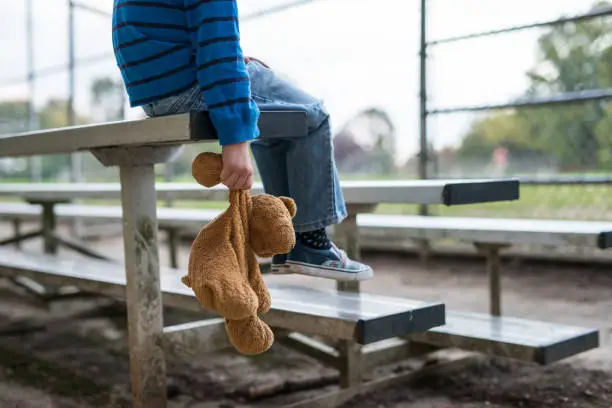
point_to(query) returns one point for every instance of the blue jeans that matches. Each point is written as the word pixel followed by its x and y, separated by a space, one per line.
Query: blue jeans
pixel 302 168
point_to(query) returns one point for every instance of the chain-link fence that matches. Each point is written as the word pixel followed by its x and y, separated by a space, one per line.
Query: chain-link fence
pixel 527 101
pixel 551 125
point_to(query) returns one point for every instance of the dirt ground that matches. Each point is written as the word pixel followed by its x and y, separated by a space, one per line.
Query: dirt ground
pixel 83 362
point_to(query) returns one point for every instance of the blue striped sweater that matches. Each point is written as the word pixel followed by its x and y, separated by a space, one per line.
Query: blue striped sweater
pixel 166 47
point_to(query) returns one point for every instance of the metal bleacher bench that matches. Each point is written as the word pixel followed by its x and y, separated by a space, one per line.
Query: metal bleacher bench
pixel 385 327
pixel 375 230
pixel 489 236
pixel 361 197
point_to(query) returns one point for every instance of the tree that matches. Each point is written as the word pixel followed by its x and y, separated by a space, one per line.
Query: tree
pixel 55 115
pixel 366 143
pixel 509 130
pixel 13 118
pixel 52 116
pixel 107 99
pixel 572 57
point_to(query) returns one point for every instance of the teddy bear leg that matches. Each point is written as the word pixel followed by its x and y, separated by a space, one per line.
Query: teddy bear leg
pixel 230 295
pixel 238 303
pixel 261 290
pixel 250 336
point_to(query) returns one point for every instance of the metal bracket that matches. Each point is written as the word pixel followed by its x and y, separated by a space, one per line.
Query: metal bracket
pixel 491 252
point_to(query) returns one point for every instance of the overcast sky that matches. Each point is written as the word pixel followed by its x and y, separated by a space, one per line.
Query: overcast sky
pixel 354 54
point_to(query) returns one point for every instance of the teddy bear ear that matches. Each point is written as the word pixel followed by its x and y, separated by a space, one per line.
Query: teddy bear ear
pixel 206 169
pixel 290 204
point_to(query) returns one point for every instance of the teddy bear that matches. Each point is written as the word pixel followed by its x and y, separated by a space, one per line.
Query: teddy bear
pixel 223 270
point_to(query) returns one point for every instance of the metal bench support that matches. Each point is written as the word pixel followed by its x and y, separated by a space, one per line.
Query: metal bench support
pixel 17 231
pixel 350 352
pixel 49 225
pixel 144 299
pixel 173 235
pixel 491 252
pixel 424 250
pixel 52 241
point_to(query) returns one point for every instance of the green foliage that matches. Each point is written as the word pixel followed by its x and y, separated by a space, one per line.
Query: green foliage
pixel 507 130
pixel 107 99
pixel 101 87
pixel 14 110
pixel 572 57
pixel 54 114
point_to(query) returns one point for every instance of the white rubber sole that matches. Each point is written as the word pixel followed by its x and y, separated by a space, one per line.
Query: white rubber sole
pixel 280 270
pixel 321 272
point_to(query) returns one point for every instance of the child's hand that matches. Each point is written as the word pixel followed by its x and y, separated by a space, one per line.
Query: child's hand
pixel 237 172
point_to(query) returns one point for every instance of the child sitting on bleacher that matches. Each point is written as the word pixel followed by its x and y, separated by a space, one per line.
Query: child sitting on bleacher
pixel 177 56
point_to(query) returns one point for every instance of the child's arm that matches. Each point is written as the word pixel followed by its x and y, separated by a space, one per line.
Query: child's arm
pixel 222 73
pixel 224 82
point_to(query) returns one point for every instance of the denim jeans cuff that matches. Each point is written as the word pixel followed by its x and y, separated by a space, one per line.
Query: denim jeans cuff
pixel 324 223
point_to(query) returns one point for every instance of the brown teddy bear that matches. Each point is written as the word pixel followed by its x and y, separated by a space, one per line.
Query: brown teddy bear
pixel 223 271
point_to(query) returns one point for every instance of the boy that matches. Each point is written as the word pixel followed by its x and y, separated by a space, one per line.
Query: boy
pixel 182 55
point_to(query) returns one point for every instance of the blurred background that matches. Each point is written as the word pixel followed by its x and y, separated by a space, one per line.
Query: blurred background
pixel 413 88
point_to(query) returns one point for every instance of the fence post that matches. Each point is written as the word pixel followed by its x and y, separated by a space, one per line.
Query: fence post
pixel 423 153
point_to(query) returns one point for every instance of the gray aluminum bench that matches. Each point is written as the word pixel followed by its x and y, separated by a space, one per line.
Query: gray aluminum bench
pixel 362 318
pixel 527 340
pixel 351 319
pixel 445 192
pixel 489 235
pixel 361 197
pixel 135 147
pixel 516 338
pixel 171 220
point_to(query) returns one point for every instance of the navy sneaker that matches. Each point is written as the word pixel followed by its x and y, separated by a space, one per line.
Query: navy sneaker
pixel 323 263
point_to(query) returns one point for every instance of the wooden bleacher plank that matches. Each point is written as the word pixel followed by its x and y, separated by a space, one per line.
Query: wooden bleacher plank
pixel 528 340
pixel 360 317
pixel 173 129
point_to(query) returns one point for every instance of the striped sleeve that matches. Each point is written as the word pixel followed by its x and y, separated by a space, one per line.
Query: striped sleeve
pixel 221 70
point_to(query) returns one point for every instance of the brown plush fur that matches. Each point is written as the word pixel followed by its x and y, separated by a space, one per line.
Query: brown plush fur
pixel 223 271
